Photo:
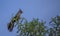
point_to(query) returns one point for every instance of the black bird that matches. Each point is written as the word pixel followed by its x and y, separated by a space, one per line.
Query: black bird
pixel 14 19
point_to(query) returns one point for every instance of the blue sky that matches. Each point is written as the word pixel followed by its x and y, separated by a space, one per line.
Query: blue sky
pixel 42 9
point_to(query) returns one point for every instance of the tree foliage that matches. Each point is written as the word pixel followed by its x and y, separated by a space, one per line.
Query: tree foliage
pixel 32 28
pixel 55 23
pixel 38 28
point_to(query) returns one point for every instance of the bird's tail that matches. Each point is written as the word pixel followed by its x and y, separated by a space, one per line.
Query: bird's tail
pixel 10 26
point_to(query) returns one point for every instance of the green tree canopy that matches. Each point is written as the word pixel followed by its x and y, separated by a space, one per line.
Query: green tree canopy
pixel 55 23
pixel 32 28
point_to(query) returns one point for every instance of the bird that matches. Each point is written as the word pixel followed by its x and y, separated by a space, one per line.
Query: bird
pixel 14 19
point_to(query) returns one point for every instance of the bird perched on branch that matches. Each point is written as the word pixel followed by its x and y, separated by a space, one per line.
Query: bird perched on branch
pixel 13 20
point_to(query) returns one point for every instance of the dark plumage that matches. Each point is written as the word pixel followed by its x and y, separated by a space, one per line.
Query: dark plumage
pixel 14 19
pixel 10 26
